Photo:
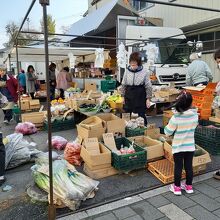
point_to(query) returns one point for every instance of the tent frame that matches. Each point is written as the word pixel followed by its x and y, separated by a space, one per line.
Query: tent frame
pixel 44 4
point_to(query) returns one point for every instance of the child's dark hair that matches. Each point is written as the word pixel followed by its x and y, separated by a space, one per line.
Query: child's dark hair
pixel 184 102
pixel 135 57
pixel 217 54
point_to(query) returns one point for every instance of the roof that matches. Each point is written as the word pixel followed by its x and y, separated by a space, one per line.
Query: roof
pixel 104 18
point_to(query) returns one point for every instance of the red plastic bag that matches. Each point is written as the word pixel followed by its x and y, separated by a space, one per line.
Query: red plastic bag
pixel 26 128
pixel 72 153
pixel 58 142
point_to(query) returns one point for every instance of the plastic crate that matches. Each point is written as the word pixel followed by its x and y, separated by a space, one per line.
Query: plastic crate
pixel 128 162
pixel 203 105
pixel 129 132
pixel 209 90
pixel 163 170
pixel 204 113
pixel 202 98
pixel 60 125
pixel 208 138
pixel 108 85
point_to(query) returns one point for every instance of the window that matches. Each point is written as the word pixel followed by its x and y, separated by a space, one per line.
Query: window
pixel 139 6
pixel 208 41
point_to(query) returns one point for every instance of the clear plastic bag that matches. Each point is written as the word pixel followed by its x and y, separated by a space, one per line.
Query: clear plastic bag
pixel 58 142
pixel 26 128
pixel 72 153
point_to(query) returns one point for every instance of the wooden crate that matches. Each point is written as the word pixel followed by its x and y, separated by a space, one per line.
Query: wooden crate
pixel 163 170
pixel 35 104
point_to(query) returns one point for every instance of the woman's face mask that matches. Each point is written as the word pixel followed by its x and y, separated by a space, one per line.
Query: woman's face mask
pixel 133 65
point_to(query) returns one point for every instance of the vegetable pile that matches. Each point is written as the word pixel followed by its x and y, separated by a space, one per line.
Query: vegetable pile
pixel 69 186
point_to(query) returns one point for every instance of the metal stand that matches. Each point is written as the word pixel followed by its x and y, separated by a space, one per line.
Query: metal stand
pixel 52 209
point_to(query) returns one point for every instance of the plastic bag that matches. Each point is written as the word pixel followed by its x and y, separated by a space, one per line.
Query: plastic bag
pixel 72 153
pixel 26 128
pixel 58 142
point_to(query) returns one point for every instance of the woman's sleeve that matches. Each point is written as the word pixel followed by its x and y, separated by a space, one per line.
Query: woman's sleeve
pixel 148 87
pixel 123 84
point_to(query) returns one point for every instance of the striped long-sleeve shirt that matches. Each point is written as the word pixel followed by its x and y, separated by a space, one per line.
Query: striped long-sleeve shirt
pixel 183 126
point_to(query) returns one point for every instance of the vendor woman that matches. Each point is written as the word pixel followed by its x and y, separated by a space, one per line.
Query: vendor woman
pixel 136 87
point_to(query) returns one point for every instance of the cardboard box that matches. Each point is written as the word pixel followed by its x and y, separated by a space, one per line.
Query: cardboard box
pixel 95 154
pixel 90 86
pixel 217 113
pixel 25 105
pixel 153 147
pixel 92 122
pixel 34 104
pixel 214 119
pixel 101 173
pixel 154 133
pixel 113 123
pixel 43 87
pixel 198 161
pixel 34 117
pixel 86 132
pixel 167 116
pixel 26 98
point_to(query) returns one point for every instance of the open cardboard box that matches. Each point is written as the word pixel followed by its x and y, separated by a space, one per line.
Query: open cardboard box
pixel 153 147
pixel 95 154
pixel 34 104
pixel 154 133
pixel 34 117
pixel 198 161
pixel 113 123
pixel 92 122
pixel 90 86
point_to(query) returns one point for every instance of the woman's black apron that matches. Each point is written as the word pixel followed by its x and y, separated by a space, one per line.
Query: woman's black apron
pixel 135 99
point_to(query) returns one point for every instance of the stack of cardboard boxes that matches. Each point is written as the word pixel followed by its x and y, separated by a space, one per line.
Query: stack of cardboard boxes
pixel 97 159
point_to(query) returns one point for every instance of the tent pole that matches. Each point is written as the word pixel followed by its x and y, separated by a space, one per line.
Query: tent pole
pixel 52 210
pixel 17 62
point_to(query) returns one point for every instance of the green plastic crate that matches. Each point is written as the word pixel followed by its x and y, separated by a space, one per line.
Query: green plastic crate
pixel 108 85
pixel 128 162
pixel 208 138
pixel 134 132
pixel 60 125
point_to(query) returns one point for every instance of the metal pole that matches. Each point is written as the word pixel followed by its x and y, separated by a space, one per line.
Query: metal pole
pixel 17 62
pixel 52 210
pixel 179 5
pixel 9 61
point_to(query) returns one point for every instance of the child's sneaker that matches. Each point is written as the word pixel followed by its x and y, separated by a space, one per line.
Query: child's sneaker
pixel 175 189
pixel 187 188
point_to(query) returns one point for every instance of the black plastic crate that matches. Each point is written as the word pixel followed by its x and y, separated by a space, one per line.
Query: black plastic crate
pixel 60 125
pixel 129 132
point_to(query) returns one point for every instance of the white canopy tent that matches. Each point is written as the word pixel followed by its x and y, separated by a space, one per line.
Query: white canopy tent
pixel 56 54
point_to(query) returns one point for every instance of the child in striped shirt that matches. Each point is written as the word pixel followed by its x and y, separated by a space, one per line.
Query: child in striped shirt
pixel 182 125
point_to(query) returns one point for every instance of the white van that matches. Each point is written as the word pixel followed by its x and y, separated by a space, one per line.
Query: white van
pixel 171 64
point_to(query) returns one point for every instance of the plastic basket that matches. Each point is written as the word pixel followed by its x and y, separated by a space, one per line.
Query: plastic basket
pixel 60 125
pixel 208 138
pixel 108 85
pixel 202 98
pixel 129 132
pixel 128 162
pixel 209 90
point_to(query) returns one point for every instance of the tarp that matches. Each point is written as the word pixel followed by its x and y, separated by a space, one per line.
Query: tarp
pixel 36 54
pixel 102 19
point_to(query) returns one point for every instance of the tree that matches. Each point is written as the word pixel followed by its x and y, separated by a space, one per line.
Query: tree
pixel 64 29
pixel 12 29
pixel 51 24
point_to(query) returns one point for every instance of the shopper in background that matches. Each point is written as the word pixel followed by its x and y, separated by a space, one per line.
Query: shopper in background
pixel 62 83
pixel 198 72
pixel 217 59
pixel 182 125
pixel 30 81
pixel 52 78
pixel 8 88
pixel 2 161
pixel 136 87
pixel 22 81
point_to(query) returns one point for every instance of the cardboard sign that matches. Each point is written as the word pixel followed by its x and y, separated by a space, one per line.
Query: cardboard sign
pixel 109 141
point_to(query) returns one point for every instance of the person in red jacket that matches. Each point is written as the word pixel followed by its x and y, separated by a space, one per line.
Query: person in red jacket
pixel 8 88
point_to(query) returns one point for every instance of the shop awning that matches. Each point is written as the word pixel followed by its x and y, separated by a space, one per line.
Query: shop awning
pixel 36 54
pixel 101 19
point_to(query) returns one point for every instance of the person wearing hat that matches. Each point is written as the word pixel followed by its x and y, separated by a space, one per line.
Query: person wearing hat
pixel 8 88
pixel 198 72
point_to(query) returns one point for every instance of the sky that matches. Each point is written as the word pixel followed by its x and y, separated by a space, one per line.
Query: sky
pixel 65 13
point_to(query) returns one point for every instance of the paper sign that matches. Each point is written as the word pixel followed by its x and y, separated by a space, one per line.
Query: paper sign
pixel 109 141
